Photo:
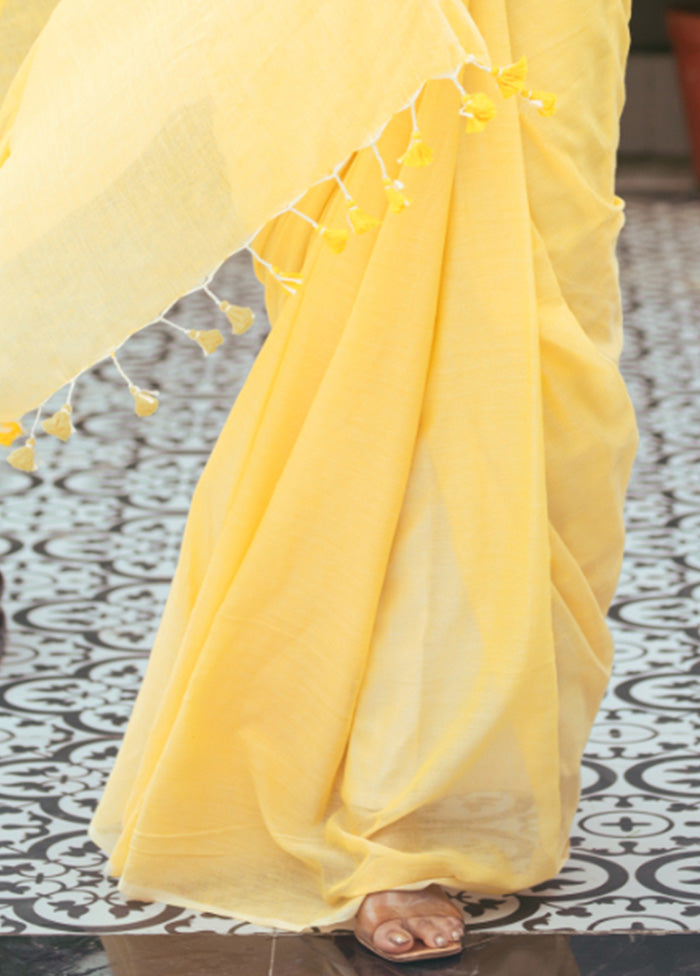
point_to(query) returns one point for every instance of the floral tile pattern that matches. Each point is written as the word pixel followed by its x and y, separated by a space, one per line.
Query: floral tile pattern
pixel 89 542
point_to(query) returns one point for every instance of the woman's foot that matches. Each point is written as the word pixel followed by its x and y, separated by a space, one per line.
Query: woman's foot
pixel 410 924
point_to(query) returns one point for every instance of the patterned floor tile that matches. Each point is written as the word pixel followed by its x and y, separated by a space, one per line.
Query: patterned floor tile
pixel 89 543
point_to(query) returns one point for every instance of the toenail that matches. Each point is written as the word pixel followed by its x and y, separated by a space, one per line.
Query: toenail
pixel 398 938
pixel 440 940
pixel 456 936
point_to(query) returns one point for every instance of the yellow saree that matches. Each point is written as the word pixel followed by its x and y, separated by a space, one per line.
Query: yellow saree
pixel 385 642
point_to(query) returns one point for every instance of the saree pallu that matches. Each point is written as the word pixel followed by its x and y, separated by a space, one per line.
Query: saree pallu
pixel 385 641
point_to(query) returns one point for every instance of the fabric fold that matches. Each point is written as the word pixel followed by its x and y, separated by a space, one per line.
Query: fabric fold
pixel 385 641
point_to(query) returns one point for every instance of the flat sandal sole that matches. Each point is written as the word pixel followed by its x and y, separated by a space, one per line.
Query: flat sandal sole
pixel 452 949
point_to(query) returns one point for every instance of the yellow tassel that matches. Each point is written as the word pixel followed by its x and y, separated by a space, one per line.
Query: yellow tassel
pixel 545 102
pixel 60 424
pixel 336 239
pixel 478 110
pixel 240 317
pixel 417 154
pixel 209 340
pixel 144 403
pixel 511 79
pixel 361 222
pixel 9 432
pixel 288 280
pixel 24 458
pixel 397 200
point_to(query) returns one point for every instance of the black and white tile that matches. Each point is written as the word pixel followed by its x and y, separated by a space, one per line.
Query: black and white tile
pixel 88 545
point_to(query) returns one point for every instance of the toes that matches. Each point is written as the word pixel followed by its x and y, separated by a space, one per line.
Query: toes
pixel 435 931
pixel 425 917
pixel 451 926
pixel 392 937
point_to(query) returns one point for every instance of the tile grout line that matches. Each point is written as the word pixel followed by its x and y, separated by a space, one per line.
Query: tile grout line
pixel 272 955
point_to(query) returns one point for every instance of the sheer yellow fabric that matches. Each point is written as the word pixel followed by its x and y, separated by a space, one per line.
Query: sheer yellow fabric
pixel 20 24
pixel 385 642
pixel 199 123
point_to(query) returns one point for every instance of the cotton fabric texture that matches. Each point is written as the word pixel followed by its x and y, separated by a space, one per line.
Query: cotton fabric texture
pixel 385 642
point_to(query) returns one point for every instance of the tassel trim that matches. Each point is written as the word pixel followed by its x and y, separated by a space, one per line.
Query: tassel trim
pixel 59 425
pixel 145 401
pixel 208 340
pixel 511 79
pixel 335 237
pixel 545 102
pixel 24 458
pixel 393 188
pixel 240 317
pixel 360 222
pixel 9 433
pixel 417 153
pixel 477 108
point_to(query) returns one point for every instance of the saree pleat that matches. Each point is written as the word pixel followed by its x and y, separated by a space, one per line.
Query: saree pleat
pixel 385 641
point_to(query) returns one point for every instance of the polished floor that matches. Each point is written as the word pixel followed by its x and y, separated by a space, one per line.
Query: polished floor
pixel 88 544
pixel 219 955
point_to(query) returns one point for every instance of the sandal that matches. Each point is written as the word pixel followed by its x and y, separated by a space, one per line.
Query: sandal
pixel 369 919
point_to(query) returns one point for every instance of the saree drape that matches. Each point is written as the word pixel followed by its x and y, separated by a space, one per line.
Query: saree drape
pixel 385 641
